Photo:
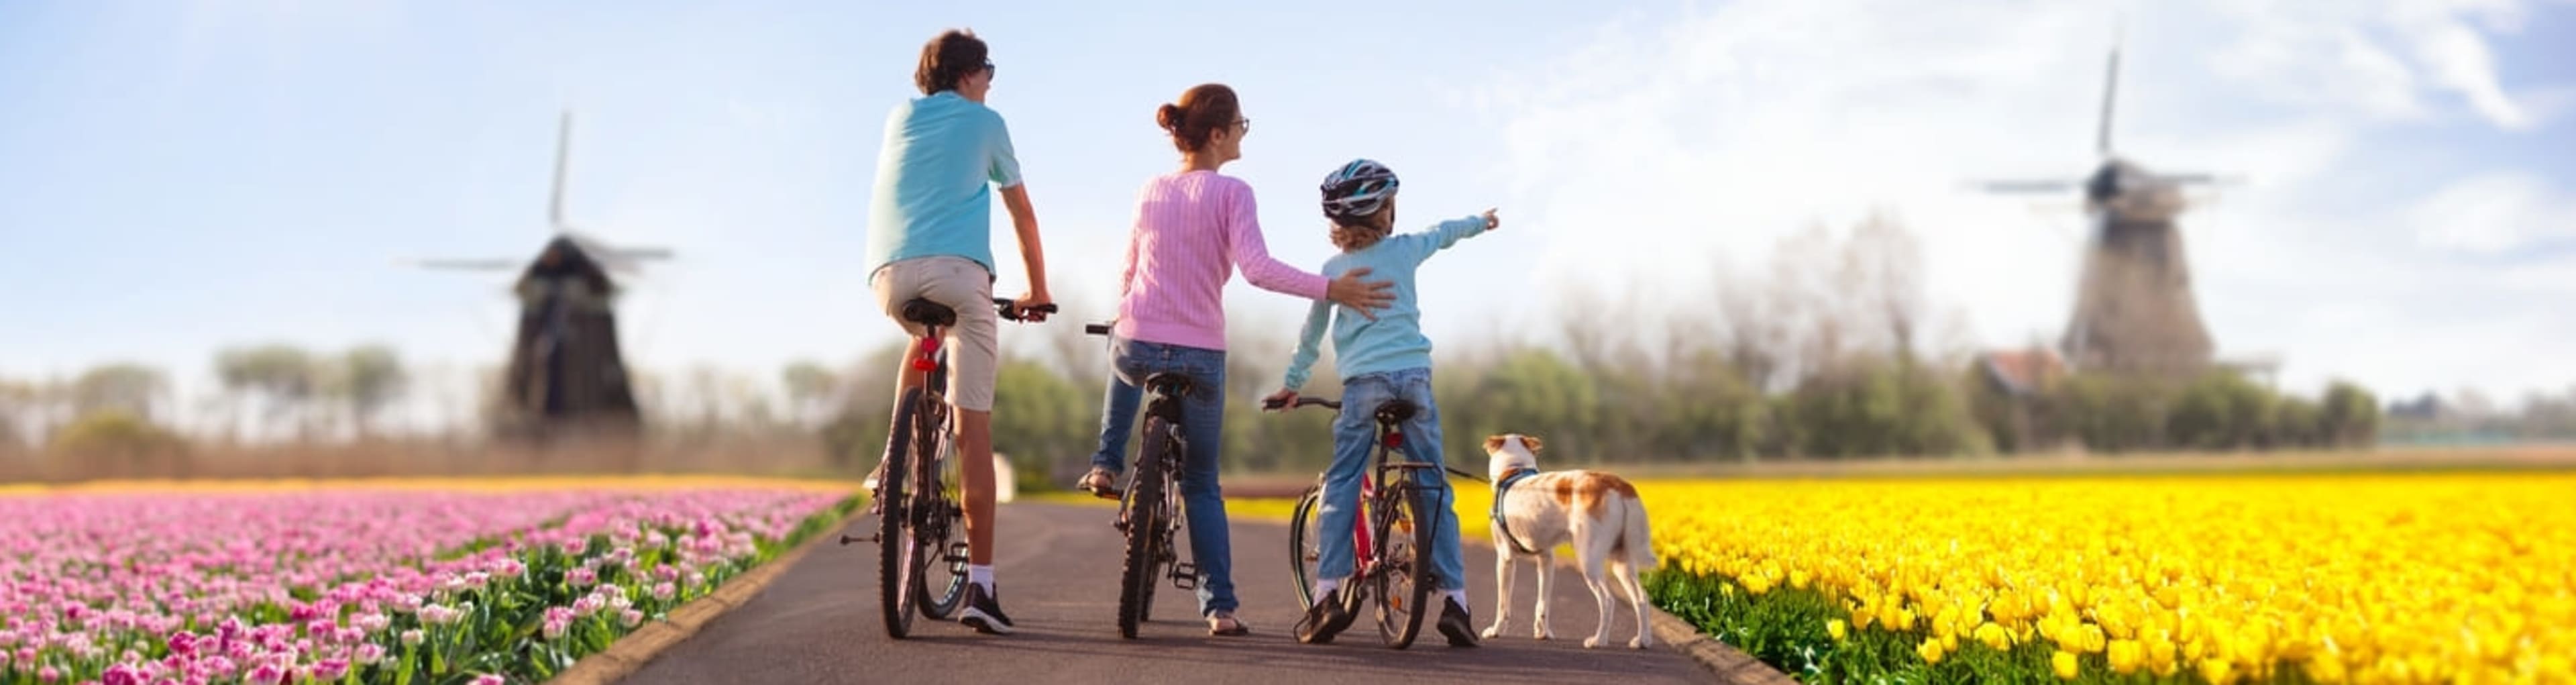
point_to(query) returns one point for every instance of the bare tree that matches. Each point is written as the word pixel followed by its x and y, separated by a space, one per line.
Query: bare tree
pixel 131 388
pixel 282 375
pixel 1883 269
pixel 17 399
pixel 369 378
pixel 811 389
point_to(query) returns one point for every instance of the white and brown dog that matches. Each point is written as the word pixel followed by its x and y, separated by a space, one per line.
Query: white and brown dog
pixel 1598 513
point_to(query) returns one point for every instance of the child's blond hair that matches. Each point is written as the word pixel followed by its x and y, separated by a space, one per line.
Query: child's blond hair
pixel 1353 237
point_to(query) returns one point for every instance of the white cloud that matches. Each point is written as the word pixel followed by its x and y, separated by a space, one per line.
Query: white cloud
pixel 1643 155
pixel 2495 213
pixel 2277 48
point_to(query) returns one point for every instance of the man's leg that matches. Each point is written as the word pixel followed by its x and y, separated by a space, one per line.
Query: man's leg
pixel 894 285
pixel 975 445
pixel 974 358
pixel 905 379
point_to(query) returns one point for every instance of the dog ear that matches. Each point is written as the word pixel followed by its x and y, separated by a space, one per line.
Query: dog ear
pixel 1532 442
pixel 1493 444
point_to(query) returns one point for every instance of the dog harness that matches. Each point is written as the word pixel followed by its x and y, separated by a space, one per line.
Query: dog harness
pixel 1503 490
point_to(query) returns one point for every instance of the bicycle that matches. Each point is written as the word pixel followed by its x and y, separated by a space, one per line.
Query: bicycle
pixel 919 502
pixel 1150 511
pixel 1386 563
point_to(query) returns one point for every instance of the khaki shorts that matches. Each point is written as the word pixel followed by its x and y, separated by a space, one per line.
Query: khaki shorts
pixel 974 348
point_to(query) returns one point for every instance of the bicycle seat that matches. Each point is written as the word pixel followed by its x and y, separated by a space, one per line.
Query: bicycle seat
pixel 929 313
pixel 1395 411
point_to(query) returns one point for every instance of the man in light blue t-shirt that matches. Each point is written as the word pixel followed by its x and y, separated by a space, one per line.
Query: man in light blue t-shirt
pixel 930 236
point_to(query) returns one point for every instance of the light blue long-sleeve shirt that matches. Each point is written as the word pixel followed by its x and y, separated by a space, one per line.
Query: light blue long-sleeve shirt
pixel 1394 341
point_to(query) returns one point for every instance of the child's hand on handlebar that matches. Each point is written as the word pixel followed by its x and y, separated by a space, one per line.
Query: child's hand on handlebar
pixel 1280 401
pixel 1032 308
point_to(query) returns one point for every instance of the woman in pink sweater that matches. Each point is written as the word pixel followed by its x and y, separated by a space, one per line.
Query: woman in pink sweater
pixel 1193 228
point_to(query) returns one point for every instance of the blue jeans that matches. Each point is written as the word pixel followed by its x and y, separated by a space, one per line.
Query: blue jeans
pixel 1202 426
pixel 1354 437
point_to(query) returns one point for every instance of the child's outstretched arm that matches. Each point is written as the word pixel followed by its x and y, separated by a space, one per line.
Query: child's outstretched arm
pixel 1310 342
pixel 1423 244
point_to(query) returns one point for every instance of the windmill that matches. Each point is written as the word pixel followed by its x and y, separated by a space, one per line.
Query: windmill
pixel 2134 308
pixel 567 373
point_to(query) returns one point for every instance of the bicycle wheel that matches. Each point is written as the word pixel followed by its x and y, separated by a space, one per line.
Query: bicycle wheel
pixel 895 547
pixel 1404 564
pixel 940 517
pixel 1305 548
pixel 1146 528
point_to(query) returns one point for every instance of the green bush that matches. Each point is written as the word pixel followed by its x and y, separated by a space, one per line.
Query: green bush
pixel 117 444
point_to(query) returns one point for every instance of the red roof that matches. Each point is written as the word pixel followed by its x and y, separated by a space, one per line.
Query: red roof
pixel 2022 371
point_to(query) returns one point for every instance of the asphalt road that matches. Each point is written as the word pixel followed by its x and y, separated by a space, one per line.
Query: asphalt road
pixel 1058 571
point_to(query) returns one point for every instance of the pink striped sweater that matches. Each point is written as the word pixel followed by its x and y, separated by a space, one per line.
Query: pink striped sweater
pixel 1192 229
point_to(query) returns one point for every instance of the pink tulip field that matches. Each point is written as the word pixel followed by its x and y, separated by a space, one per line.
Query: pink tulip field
pixel 375 585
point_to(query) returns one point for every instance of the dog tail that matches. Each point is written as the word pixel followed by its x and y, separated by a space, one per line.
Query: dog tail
pixel 1636 537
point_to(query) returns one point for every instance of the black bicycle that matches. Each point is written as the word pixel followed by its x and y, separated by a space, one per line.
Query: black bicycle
pixel 1391 536
pixel 1150 511
pixel 919 501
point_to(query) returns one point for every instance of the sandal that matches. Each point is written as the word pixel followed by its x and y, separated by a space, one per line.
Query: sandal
pixel 1100 482
pixel 1224 624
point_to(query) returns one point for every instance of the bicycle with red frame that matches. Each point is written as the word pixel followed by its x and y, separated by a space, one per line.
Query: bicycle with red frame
pixel 920 502
pixel 1391 536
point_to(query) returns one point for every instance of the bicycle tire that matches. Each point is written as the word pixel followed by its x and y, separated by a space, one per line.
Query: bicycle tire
pixel 1304 553
pixel 943 512
pixel 1413 568
pixel 1145 498
pixel 894 532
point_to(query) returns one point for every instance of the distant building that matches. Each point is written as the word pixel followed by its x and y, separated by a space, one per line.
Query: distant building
pixel 2021 373
pixel 2426 408
pixel 2022 377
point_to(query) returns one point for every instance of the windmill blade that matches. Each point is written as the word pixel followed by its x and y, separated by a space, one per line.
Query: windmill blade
pixel 2110 91
pixel 639 253
pixel 2056 185
pixel 464 264
pixel 2198 178
pixel 563 156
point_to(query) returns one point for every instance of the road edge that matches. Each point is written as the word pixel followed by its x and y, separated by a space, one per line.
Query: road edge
pixel 1730 665
pixel 633 650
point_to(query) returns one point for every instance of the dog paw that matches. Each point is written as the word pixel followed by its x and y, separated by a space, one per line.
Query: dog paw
pixel 1493 631
pixel 1637 643
pixel 1591 643
pixel 1543 635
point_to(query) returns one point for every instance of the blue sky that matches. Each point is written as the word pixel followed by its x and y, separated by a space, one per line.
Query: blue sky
pixel 176 177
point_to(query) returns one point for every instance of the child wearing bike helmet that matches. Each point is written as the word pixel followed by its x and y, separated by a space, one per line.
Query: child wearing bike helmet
pixel 1384 359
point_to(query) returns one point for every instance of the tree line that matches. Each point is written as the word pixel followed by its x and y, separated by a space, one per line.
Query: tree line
pixel 1832 351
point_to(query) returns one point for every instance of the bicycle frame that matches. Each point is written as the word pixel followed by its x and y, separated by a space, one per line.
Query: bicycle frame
pixel 919 524
pixel 1363 551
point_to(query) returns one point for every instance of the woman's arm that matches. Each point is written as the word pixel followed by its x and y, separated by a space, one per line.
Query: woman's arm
pixel 1245 247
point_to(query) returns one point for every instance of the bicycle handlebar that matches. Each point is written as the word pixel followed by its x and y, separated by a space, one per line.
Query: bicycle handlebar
pixel 1011 309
